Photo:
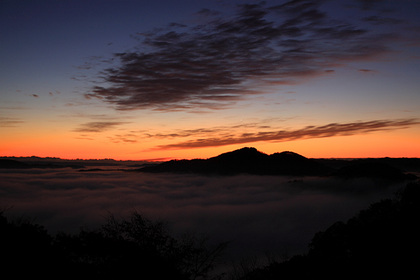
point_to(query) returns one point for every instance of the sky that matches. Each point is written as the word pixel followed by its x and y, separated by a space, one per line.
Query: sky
pixel 156 80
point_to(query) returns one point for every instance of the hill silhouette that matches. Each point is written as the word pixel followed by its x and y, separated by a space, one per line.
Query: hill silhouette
pixel 378 243
pixel 10 163
pixel 247 160
pixel 41 163
pixel 372 169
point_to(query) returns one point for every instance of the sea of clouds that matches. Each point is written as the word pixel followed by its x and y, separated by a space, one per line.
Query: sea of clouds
pixel 257 214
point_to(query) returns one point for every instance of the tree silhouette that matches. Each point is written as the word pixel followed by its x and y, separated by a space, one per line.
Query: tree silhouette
pixel 121 248
pixel 26 248
pixel 381 241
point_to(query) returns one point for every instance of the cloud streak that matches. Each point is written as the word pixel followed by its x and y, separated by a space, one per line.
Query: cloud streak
pixel 225 59
pixel 329 130
pixel 97 126
pixel 10 122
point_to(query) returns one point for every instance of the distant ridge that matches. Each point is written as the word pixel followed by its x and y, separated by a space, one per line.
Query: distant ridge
pixel 247 160
pixel 372 169
pixel 19 164
pixel 10 163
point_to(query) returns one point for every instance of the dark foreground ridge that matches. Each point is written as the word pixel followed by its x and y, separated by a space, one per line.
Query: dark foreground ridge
pixel 251 161
pixel 380 242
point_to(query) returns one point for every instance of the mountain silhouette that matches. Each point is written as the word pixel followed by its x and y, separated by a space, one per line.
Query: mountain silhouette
pixel 378 242
pixel 18 164
pixel 372 169
pixel 247 160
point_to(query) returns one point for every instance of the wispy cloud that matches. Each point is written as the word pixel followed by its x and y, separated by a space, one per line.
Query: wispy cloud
pixel 329 130
pixel 264 130
pixel 225 59
pixel 97 126
pixel 379 20
pixel 124 138
pixel 10 122
pixel 197 132
pixel 363 70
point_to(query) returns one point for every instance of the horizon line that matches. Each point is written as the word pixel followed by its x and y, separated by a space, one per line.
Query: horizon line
pixel 163 159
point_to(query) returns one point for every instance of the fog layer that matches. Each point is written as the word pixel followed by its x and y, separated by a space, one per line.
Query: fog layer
pixel 257 214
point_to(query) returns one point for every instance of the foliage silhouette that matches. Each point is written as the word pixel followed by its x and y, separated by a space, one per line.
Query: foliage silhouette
pixel 119 249
pixel 382 241
pixel 26 248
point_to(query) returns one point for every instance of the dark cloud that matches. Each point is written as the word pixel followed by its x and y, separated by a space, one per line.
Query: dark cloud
pixel 54 93
pixel 370 4
pixel 224 59
pixel 329 130
pixel 97 126
pixel 366 70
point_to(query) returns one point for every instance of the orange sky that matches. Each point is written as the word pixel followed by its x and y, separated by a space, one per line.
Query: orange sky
pixel 69 146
